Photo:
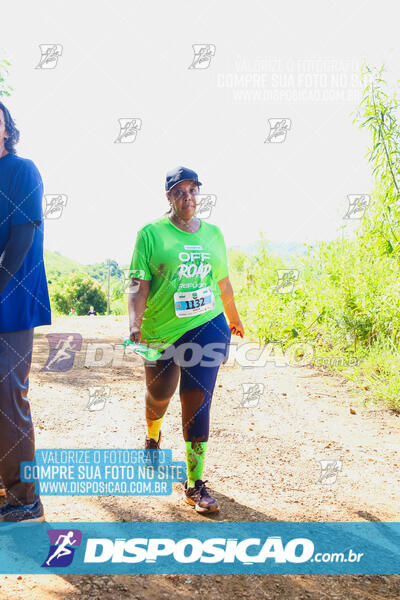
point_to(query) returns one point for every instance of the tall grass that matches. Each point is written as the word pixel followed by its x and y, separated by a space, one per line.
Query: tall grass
pixel 346 301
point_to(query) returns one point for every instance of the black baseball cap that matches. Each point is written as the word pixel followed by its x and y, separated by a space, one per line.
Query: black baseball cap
pixel 180 174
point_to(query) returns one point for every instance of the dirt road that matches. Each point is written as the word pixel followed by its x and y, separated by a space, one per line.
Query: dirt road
pixel 263 464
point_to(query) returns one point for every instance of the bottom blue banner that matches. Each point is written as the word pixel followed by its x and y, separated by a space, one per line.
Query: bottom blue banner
pixel 256 548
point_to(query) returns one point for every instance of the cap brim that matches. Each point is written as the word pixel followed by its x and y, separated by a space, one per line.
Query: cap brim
pixel 197 182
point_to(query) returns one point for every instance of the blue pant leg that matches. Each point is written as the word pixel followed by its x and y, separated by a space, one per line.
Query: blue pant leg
pixel 17 440
pixel 199 378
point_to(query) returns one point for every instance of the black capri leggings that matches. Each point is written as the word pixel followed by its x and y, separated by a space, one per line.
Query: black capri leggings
pixel 197 356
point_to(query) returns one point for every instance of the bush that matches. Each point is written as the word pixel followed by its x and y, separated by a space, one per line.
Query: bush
pixel 77 291
pixel 345 303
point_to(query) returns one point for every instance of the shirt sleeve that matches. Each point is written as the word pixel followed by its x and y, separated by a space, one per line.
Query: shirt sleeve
pixel 26 200
pixel 221 270
pixel 140 263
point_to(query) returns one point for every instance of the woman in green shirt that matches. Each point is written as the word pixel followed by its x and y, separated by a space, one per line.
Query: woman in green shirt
pixel 179 291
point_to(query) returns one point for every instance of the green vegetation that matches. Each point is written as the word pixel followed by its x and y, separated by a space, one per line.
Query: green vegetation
pixel 5 89
pixel 344 309
pixel 58 265
pixel 72 284
pixel 78 291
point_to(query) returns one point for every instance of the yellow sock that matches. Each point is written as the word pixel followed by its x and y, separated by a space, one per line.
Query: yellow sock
pixel 153 428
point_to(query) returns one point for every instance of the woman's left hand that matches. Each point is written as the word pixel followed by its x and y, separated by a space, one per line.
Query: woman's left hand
pixel 237 328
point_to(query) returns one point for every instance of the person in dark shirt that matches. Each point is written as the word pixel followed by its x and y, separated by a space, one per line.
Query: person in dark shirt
pixel 24 305
pixel 92 311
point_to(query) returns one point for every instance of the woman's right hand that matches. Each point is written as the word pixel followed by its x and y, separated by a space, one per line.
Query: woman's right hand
pixel 134 334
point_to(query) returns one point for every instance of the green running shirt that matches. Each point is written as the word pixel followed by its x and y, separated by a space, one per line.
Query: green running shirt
pixel 177 261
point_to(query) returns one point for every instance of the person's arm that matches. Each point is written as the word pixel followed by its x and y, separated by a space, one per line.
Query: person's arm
pixel 139 290
pixel 235 324
pixel 140 284
pixel 17 247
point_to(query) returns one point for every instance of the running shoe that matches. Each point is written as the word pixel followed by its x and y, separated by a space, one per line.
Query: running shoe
pixel 151 444
pixel 28 512
pixel 198 497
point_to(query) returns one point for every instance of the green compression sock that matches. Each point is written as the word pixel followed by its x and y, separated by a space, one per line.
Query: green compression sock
pixel 195 454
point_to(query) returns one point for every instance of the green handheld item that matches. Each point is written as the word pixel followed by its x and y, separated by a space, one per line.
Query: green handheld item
pixel 144 351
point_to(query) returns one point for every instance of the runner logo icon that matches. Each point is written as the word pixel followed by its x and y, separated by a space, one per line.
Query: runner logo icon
pixel 62 349
pixel 63 543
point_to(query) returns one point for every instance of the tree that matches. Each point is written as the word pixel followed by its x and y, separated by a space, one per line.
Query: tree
pixel 99 271
pixel 78 291
pixel 378 114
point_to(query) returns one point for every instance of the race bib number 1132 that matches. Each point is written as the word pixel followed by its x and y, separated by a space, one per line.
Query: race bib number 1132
pixel 190 304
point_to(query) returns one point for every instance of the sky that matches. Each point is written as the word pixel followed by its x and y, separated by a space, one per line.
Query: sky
pixel 258 98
